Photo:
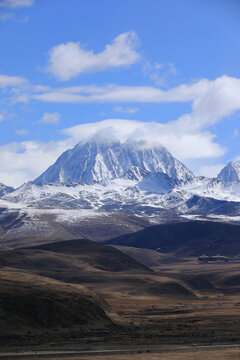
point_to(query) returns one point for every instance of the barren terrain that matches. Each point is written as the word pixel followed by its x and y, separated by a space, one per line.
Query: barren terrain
pixel 232 354
pixel 166 301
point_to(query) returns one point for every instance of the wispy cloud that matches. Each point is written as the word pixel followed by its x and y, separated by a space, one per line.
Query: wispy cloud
pixel 11 16
pixel 190 137
pixel 125 94
pixel 22 132
pixel 128 110
pixel 211 99
pixel 159 73
pixel 67 61
pixel 13 4
pixel 235 133
pixel 6 16
pixel 8 7
pixel 10 81
pixel 50 118
pixel 6 116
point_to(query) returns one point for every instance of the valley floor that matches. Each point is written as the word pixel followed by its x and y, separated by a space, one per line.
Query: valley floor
pixel 177 301
pixel 166 353
pixel 232 354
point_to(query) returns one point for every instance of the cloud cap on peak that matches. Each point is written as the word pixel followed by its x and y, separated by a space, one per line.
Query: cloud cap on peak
pixel 183 145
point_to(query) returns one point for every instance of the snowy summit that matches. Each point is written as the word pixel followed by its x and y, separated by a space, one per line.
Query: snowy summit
pixel 98 161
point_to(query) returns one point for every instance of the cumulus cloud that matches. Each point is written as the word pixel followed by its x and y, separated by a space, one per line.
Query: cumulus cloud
pixel 221 99
pixel 16 3
pixel 69 60
pixel 50 118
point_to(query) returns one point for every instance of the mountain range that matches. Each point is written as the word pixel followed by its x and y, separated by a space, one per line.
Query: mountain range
pixel 96 182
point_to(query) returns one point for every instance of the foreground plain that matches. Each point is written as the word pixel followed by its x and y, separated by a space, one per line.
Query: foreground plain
pixel 233 354
pixel 120 301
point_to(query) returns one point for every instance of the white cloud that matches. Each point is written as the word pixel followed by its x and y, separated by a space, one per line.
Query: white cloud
pixel 212 100
pixel 183 144
pixel 16 3
pixel 10 81
pixel 221 99
pixel 69 60
pixel 159 73
pixel 22 132
pixel 6 16
pixel 11 16
pixel 6 116
pixel 125 94
pixel 235 133
pixel 24 161
pixel 189 138
pixel 128 110
pixel 50 118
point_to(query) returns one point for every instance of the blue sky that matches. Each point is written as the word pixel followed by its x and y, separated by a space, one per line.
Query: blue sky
pixel 171 68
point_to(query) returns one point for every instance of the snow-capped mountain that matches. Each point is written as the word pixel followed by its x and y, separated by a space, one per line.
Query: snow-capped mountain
pixel 230 173
pixel 116 181
pixel 97 161
pixel 4 189
pixel 129 177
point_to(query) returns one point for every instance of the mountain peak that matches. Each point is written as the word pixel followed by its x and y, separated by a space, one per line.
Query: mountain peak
pixel 231 172
pixel 96 161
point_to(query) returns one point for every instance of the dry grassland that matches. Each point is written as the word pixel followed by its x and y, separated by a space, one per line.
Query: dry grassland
pixel 230 354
